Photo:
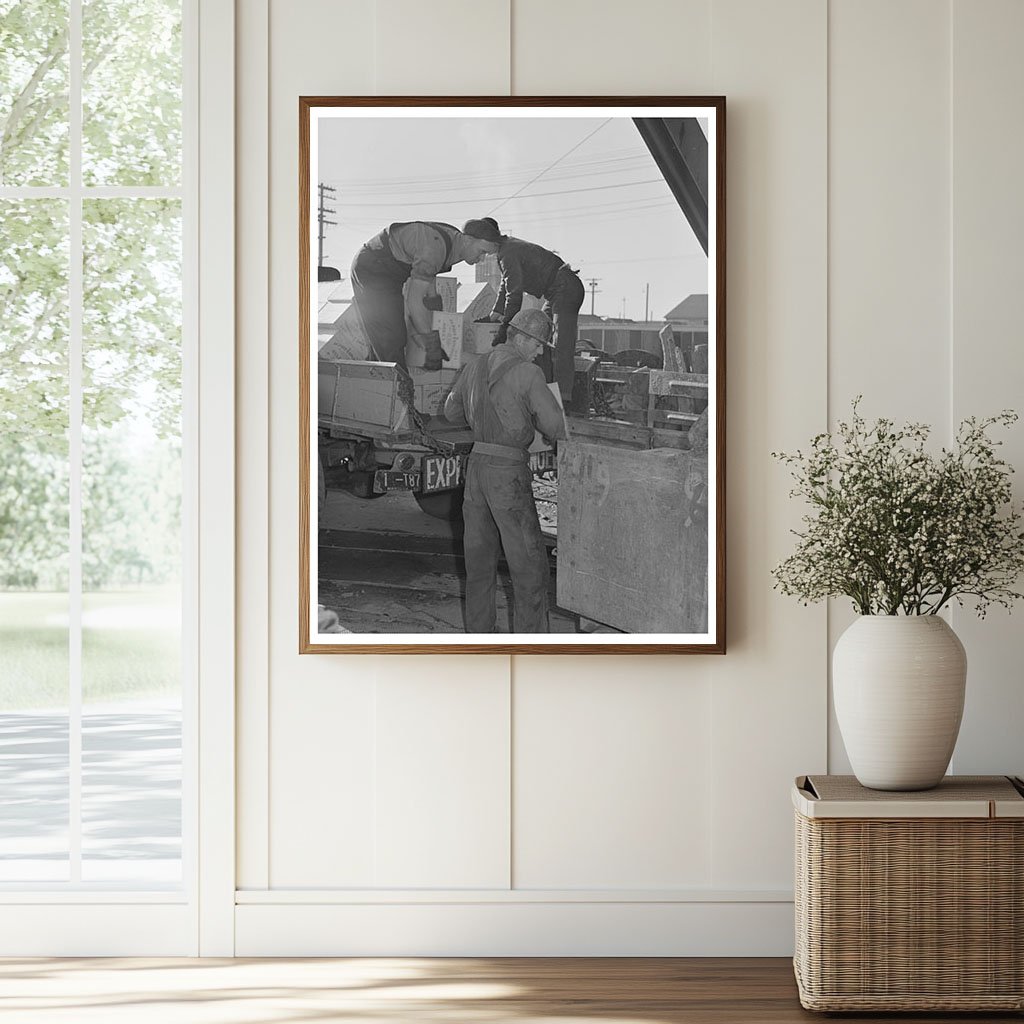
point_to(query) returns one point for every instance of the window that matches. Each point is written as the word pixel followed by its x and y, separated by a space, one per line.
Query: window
pixel 94 453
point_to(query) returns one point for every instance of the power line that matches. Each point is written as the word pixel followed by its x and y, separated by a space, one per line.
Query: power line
pixel 648 259
pixel 470 180
pixel 598 212
pixel 548 168
pixel 513 171
pixel 588 208
pixel 516 195
pixel 528 222
pixel 449 183
pixel 467 183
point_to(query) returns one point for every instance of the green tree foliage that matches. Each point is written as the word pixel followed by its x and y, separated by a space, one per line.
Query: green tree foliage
pixel 131 309
pixel 132 313
pixel 131 92
pixel 34 320
pixel 33 513
pixel 34 92
pixel 131 510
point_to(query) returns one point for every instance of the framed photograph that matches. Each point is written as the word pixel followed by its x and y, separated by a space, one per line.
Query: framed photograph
pixel 512 375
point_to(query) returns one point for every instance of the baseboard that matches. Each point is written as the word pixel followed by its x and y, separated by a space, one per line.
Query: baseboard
pixel 515 928
pixel 96 929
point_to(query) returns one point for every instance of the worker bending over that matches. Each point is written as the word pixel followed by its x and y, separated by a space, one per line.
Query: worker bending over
pixel 503 397
pixel 416 252
pixel 527 267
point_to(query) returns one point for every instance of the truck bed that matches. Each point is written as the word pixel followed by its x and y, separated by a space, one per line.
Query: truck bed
pixel 437 426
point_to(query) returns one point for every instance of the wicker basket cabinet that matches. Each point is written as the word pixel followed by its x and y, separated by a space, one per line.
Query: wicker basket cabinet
pixel 910 901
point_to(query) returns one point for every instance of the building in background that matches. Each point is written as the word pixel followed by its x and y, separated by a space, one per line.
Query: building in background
pixel 630 339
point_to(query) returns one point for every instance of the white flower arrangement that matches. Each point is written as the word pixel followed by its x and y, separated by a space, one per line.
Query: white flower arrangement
pixel 899 530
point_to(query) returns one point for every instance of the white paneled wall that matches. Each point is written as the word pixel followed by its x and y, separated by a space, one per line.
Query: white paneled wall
pixel 889 199
pixel 579 48
pixel 442 776
pixel 889 210
pixel 768 693
pixel 612 782
pixel 441 48
pixel 987 355
pixel 625 805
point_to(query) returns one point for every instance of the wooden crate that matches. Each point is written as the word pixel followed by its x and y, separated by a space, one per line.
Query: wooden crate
pixel 479 338
pixel 431 388
pixel 449 326
pixel 677 399
pixel 447 288
pixel 368 392
pixel 481 304
pixel 349 339
pixel 326 380
pixel 640 519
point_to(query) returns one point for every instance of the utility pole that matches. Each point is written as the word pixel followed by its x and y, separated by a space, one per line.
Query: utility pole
pixel 647 303
pixel 592 285
pixel 623 307
pixel 322 221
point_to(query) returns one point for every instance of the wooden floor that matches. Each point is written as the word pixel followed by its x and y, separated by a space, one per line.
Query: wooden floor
pixel 412 991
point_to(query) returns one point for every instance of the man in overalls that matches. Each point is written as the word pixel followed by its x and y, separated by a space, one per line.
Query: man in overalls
pixel 416 252
pixel 503 397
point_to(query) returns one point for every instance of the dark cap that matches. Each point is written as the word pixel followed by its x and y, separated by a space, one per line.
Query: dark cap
pixel 486 229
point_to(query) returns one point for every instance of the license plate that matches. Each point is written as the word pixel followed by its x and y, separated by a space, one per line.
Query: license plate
pixel 440 472
pixel 385 480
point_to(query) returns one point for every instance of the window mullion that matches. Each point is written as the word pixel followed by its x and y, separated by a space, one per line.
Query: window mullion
pixel 75 335
pixel 95 191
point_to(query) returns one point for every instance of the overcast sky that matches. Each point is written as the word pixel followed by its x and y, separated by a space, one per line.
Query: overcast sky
pixel 586 188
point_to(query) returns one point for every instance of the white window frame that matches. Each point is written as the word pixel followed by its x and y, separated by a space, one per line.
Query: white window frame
pixel 49 919
pixel 215 190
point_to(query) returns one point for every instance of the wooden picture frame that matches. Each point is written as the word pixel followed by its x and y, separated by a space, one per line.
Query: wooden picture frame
pixel 633 503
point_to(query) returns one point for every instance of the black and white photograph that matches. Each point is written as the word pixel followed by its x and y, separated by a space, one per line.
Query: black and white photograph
pixel 512 375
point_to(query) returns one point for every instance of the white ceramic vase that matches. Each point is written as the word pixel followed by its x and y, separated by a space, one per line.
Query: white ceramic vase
pixel 898 685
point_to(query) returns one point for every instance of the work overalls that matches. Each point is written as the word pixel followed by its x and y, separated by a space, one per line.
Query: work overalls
pixel 500 513
pixel 377 282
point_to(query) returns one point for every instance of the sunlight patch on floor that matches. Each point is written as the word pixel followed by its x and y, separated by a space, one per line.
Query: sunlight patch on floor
pixel 218 991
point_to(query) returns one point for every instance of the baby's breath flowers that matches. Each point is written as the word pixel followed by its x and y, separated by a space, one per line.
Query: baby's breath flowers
pixel 899 530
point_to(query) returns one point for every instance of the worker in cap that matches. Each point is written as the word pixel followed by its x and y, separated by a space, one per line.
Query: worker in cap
pixel 503 397
pixel 530 268
pixel 414 251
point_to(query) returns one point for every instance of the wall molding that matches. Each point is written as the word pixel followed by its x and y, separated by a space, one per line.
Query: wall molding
pixel 76 928
pixel 370 897
pixel 516 928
